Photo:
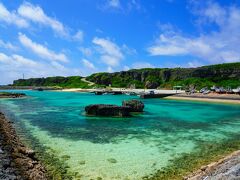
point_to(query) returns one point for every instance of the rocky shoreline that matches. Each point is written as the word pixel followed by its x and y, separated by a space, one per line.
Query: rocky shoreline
pixel 11 95
pixel 227 168
pixel 17 160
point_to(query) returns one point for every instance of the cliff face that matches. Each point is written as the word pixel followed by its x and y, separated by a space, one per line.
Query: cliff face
pixel 222 75
pixel 152 78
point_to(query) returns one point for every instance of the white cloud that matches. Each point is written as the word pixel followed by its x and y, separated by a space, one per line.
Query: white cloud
pixel 79 36
pixel 85 51
pixel 109 69
pixel 121 6
pixel 110 60
pixel 8 45
pixel 126 68
pixel 12 17
pixel 219 46
pixel 111 54
pixel 4 58
pixel 37 15
pixel 41 50
pixel 27 13
pixel 88 64
pixel 194 64
pixel 113 3
pixel 175 44
pixel 128 50
pixel 21 61
pixel 13 66
pixel 17 60
pixel 141 64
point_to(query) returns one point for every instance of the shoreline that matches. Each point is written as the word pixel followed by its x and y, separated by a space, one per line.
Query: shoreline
pixel 215 98
pixel 225 168
pixel 206 99
pixel 180 95
pixel 21 158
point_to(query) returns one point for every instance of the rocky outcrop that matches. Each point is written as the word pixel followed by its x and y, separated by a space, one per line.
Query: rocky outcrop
pixel 151 85
pixel 134 105
pixel 110 110
pixel 107 110
pixel 227 168
pixel 11 95
pixel 20 156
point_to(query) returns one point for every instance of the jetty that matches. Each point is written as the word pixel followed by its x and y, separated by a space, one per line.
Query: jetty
pixel 142 93
pixel 159 95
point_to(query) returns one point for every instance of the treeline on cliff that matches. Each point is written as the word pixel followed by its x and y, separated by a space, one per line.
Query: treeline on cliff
pixel 58 81
pixel 227 74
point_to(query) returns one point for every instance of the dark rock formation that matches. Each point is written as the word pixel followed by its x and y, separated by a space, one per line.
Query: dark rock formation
pixel 107 110
pixel 227 168
pixel 151 85
pixel 21 162
pixel 134 105
pixel 11 95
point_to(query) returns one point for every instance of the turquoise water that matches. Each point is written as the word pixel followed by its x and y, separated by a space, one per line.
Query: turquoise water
pixel 119 148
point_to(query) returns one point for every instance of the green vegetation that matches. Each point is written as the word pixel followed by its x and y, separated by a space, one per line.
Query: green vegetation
pixel 205 154
pixel 226 75
pixel 202 82
pixel 63 82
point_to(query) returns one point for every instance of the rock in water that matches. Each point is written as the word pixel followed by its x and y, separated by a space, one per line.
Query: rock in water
pixel 108 110
pixel 135 105
pixel 112 160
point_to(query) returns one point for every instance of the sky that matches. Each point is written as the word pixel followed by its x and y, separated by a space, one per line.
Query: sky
pixel 41 38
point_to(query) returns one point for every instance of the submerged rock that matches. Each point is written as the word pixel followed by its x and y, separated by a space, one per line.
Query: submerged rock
pixel 82 162
pixel 112 160
pixel 66 157
pixel 107 110
pixel 135 105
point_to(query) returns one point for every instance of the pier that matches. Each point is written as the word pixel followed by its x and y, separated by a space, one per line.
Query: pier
pixel 145 94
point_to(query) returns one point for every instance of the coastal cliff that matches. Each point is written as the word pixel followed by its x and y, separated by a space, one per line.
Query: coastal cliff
pixel 227 75
pixel 221 74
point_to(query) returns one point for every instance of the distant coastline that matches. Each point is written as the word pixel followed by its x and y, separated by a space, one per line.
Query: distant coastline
pixel 222 75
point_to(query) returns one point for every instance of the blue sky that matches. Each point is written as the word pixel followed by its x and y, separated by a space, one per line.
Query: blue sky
pixel 78 37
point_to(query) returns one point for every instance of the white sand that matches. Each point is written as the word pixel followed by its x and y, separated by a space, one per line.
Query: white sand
pixel 204 99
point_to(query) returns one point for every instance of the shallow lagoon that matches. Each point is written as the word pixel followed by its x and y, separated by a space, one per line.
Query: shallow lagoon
pixel 118 148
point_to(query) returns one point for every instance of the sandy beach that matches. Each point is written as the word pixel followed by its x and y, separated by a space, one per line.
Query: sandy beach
pixel 215 98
